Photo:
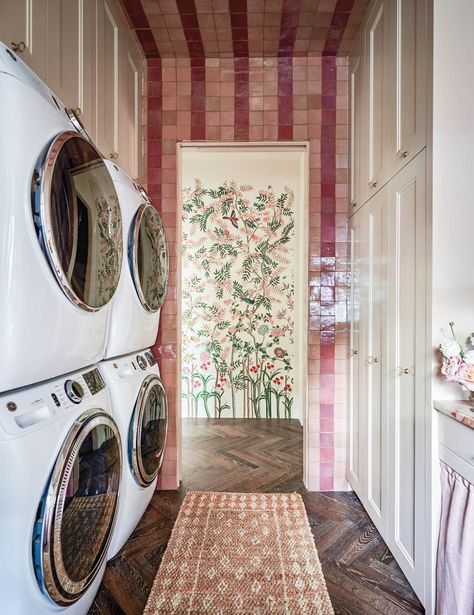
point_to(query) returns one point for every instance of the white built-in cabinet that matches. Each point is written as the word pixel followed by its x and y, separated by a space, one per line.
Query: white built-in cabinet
pixel 387 68
pixel 406 371
pixel 86 53
pixel 387 358
pixel 24 28
pixel 387 414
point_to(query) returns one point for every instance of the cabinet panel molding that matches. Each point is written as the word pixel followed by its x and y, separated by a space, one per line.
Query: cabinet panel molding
pixel 407 373
pixel 386 462
pixel 24 27
pixel 408 77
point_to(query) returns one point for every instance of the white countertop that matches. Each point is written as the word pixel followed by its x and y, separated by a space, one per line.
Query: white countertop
pixel 459 410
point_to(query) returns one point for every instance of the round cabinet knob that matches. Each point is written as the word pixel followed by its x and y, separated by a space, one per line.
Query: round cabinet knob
pixel 402 154
pixel 74 391
pixel 354 352
pixel 403 370
pixel 372 184
pixel 113 156
pixel 142 364
pixel 18 47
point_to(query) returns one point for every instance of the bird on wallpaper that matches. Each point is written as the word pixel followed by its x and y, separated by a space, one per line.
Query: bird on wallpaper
pixel 248 300
pixel 232 218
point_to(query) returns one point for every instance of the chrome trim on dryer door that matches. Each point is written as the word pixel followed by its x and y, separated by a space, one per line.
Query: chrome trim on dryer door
pixel 111 245
pixel 51 569
pixel 140 473
pixel 156 287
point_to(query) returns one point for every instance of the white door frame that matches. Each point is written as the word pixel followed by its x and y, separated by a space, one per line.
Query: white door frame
pixel 301 276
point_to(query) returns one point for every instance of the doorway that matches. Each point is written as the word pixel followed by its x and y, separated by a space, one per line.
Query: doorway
pixel 242 283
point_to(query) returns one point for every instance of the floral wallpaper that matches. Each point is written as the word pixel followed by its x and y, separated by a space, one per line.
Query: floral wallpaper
pixel 238 301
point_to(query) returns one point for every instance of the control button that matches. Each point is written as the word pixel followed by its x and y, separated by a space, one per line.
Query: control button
pixel 11 406
pixel 125 371
pixel 141 362
pixel 55 399
pixel 74 391
pixel 150 358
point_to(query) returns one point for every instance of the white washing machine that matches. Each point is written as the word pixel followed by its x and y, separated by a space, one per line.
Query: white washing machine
pixel 61 456
pixel 135 309
pixel 60 235
pixel 140 409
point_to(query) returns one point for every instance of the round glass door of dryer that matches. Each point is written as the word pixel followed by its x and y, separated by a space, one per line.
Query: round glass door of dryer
pixel 78 220
pixel 76 515
pixel 148 255
pixel 148 431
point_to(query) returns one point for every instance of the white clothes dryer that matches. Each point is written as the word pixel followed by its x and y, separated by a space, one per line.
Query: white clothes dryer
pixel 60 454
pixel 140 409
pixel 60 235
pixel 135 309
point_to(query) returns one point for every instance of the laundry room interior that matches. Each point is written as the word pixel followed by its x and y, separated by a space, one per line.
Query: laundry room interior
pixel 237 368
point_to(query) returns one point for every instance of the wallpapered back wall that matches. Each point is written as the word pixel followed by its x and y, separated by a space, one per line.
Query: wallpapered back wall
pixel 243 212
pixel 267 99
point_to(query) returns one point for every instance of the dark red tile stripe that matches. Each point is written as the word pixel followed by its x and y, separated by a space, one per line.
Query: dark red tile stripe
pixel 192 33
pixel 155 152
pixel 328 235
pixel 138 20
pixel 339 20
pixel 198 99
pixel 189 19
pixel 328 255
pixel 285 98
pixel 289 22
pixel 240 43
pixel 238 22
pixel 241 99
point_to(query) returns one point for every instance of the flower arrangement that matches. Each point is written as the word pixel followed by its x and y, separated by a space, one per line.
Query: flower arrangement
pixel 458 360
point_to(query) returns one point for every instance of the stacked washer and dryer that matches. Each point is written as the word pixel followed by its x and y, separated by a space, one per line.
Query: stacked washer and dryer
pixel 83 412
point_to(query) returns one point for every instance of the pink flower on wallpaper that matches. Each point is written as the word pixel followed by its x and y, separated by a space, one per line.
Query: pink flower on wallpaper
pixel 453 369
pixel 235 292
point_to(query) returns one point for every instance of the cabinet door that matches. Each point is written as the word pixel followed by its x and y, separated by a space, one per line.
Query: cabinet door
pixel 356 429
pixel 375 357
pixel 65 27
pixel 408 79
pixel 407 377
pixel 377 44
pixel 358 125
pixel 72 57
pixel 88 105
pixel 24 28
pixel 107 79
pixel 130 111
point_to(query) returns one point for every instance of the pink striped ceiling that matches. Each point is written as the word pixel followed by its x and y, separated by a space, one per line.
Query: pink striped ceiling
pixel 245 28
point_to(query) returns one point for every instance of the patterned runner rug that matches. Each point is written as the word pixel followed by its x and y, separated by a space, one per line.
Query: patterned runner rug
pixel 235 554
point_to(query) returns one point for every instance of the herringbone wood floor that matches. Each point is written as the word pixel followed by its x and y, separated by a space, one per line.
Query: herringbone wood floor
pixel 262 456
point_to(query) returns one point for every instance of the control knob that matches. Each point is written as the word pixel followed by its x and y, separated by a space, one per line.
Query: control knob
pixel 142 364
pixel 74 391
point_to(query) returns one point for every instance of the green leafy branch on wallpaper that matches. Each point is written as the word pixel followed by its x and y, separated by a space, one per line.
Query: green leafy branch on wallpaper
pixel 240 249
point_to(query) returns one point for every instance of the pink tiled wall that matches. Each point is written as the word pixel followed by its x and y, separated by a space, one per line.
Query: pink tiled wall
pixel 267 99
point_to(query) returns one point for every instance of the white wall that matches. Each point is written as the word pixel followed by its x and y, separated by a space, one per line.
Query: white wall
pixel 453 175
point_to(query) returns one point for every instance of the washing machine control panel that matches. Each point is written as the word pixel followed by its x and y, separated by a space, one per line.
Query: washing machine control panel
pixel 94 381
pixel 74 391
